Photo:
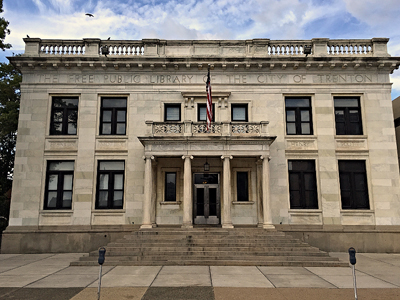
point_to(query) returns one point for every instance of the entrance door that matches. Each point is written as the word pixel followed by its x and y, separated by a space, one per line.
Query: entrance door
pixel 206 202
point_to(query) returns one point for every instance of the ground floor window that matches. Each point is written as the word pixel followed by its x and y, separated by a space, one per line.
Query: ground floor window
pixel 302 184
pixel 353 184
pixel 242 186
pixel 110 184
pixel 170 186
pixel 59 180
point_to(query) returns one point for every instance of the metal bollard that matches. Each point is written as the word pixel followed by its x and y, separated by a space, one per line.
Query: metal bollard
pixel 102 254
pixel 352 254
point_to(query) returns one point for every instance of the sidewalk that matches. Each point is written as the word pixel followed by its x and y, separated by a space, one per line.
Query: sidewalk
pixel 49 276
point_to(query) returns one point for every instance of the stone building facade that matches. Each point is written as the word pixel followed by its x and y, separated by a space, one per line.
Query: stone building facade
pixel 112 138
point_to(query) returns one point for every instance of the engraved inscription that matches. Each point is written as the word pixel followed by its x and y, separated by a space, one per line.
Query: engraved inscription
pixel 352 144
pixel 171 78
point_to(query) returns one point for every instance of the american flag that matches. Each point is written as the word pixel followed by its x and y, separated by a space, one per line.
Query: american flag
pixel 209 101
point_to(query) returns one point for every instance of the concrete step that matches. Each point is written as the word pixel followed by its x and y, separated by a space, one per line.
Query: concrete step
pixel 112 248
pixel 205 243
pixel 210 246
pixel 213 257
pixel 216 262
pixel 221 254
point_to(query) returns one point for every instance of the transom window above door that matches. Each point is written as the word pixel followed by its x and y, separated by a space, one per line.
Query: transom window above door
pixel 172 112
pixel 239 112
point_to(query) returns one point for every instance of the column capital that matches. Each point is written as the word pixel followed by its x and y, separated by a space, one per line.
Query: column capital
pixel 187 156
pixel 148 157
pixel 262 157
pixel 228 157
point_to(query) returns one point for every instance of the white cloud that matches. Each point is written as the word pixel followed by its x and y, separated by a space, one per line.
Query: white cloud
pixel 381 15
pixel 395 79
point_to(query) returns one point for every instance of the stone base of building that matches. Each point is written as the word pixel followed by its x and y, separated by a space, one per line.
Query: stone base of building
pixel 338 238
pixel 83 239
pixel 61 239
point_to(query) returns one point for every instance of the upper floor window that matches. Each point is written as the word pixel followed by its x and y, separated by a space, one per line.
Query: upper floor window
pixel 64 115
pixel 110 184
pixel 202 112
pixel 172 112
pixel 298 115
pixel 353 184
pixel 239 112
pixel 59 179
pixel 302 184
pixel 348 116
pixel 113 116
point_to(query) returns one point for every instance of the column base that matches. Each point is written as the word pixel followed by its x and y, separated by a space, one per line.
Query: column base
pixel 146 226
pixel 227 226
pixel 187 226
pixel 268 226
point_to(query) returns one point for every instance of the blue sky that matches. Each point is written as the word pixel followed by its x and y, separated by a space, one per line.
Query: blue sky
pixel 204 19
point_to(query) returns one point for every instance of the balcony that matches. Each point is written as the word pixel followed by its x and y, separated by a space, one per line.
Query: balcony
pixel 222 129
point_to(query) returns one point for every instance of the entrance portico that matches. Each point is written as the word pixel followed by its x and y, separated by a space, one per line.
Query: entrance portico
pixel 207 202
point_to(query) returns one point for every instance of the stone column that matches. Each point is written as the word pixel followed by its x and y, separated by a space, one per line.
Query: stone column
pixel 148 193
pixel 260 214
pixel 187 192
pixel 266 198
pixel 154 194
pixel 226 205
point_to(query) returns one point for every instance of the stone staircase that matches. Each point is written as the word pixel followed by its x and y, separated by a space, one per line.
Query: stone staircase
pixel 210 246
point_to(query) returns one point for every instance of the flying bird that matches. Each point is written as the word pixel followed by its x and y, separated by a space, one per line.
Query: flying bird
pixel 89 15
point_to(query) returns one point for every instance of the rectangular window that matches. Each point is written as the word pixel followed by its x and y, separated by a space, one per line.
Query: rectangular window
pixel 170 186
pixel 239 112
pixel 202 112
pixel 298 116
pixel 110 184
pixel 113 116
pixel 172 112
pixel 353 184
pixel 64 115
pixel 302 184
pixel 242 186
pixel 348 116
pixel 59 180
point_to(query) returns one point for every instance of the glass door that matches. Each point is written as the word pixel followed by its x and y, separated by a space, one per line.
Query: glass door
pixel 206 202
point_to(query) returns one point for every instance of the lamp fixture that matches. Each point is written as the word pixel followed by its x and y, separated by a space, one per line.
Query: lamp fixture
pixel 105 51
pixel 307 49
pixel 206 166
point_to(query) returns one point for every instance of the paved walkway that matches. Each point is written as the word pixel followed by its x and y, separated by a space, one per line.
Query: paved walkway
pixel 49 276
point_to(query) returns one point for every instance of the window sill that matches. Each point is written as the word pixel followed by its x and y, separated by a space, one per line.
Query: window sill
pixel 170 202
pixel 112 137
pixel 305 210
pixel 107 211
pixel 357 211
pixel 351 137
pixel 56 212
pixel 300 136
pixel 62 137
pixel 243 202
